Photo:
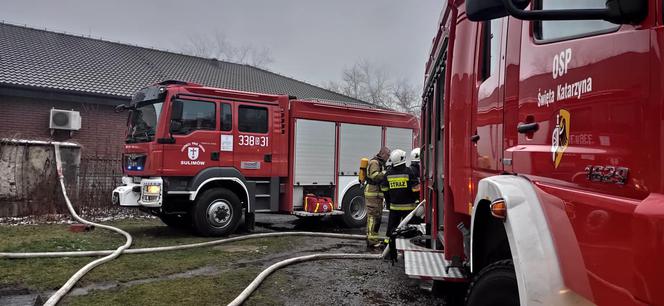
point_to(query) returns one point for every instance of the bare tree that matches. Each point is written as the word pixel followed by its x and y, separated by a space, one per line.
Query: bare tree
pixel 406 96
pixel 219 47
pixel 368 82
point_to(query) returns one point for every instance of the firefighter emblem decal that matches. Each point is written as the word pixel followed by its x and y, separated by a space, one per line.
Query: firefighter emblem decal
pixel 193 153
pixel 194 150
pixel 560 136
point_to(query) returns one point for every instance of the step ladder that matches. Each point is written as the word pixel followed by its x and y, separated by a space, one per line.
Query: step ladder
pixel 427 264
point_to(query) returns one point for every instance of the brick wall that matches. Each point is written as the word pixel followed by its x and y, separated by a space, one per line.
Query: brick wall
pixel 102 130
pixel 101 138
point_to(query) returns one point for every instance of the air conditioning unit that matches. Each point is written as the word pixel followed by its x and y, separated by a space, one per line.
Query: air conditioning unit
pixel 64 120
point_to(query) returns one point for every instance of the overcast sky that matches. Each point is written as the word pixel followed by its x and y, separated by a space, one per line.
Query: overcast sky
pixel 310 40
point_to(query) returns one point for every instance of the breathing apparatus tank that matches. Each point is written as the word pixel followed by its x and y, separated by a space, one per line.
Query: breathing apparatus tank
pixel 364 163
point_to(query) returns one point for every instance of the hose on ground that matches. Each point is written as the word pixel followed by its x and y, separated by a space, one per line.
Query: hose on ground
pixel 177 247
pixel 55 298
pixel 263 275
pixel 246 293
pixel 112 254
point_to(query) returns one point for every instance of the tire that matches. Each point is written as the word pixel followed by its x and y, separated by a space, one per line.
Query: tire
pixel 495 285
pixel 176 221
pixel 354 208
pixel 217 212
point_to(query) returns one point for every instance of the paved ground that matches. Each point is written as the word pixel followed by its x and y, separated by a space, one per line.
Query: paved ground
pixel 338 282
pixel 344 282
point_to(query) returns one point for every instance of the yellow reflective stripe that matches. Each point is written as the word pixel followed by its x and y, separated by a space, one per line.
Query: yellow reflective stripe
pixel 373 194
pixel 383 188
pixel 397 182
pixel 402 206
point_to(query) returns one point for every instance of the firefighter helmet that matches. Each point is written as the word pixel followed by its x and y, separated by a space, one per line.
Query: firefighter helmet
pixel 397 157
pixel 415 155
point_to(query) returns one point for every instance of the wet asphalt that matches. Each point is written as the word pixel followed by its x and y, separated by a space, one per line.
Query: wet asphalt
pixel 340 282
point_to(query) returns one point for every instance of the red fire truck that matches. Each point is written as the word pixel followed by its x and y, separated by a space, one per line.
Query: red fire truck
pixel 201 156
pixel 542 164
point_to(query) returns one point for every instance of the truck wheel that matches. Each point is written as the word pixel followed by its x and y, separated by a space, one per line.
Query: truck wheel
pixel 495 285
pixel 217 213
pixel 354 207
pixel 176 221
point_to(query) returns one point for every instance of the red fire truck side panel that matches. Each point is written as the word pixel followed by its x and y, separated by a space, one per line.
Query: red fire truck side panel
pixel 339 113
pixel 595 159
pixel 600 125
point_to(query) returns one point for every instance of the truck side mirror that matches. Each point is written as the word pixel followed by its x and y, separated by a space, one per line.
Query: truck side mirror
pixel 482 10
pixel 175 126
pixel 616 11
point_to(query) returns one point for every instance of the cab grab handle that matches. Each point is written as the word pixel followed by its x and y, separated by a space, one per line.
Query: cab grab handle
pixel 524 128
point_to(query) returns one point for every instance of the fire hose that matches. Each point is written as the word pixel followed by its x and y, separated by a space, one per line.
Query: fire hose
pixel 77 276
pixel 112 254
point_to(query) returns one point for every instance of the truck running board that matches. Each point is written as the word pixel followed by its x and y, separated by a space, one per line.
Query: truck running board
pixel 300 213
pixel 405 244
pixel 430 265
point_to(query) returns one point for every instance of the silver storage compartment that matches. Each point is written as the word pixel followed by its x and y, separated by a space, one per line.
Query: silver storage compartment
pixel 314 152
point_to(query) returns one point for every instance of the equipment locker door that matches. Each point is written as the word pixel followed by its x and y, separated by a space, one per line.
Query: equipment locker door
pixel 314 152
pixel 252 139
pixel 399 138
pixel 193 126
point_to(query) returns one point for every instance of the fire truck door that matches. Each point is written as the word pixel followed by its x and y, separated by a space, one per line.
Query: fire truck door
pixel 487 117
pixel 193 126
pixel 226 141
pixel 253 139
pixel 583 90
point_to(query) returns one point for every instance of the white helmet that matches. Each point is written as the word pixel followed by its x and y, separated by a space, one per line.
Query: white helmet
pixel 397 157
pixel 415 155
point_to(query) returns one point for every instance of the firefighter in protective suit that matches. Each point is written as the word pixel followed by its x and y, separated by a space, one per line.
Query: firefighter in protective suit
pixel 401 189
pixel 415 162
pixel 373 197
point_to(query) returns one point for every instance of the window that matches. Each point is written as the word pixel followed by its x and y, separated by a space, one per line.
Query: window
pixel 226 117
pixel 252 119
pixel 556 30
pixel 491 41
pixel 189 116
pixel 143 122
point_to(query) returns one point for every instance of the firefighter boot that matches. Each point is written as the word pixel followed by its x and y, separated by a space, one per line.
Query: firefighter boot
pixel 372 234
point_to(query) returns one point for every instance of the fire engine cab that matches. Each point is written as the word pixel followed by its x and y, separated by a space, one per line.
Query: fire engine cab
pixel 202 156
pixel 542 156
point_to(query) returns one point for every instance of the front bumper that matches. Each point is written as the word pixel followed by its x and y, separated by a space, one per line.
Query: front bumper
pixel 149 192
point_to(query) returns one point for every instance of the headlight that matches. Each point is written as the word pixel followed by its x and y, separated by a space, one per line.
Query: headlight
pixel 152 189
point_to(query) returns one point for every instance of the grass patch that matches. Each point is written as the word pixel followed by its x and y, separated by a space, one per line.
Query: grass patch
pixel 208 290
pixel 50 273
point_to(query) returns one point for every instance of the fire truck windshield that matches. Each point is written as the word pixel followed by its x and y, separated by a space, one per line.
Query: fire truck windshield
pixel 143 121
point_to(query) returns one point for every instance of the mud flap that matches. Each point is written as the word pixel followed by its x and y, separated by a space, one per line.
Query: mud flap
pixel 249 221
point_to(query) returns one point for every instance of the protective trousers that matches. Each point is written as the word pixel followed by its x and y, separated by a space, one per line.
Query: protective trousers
pixel 374 216
pixel 395 218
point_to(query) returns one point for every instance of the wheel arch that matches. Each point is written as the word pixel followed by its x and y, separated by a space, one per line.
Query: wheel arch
pixel 530 241
pixel 489 242
pixel 222 177
pixel 348 187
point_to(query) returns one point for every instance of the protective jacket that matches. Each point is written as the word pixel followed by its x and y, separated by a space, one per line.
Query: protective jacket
pixel 401 188
pixel 374 177
pixel 415 168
